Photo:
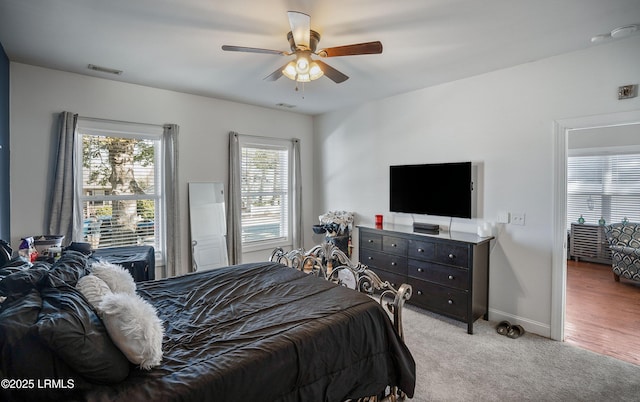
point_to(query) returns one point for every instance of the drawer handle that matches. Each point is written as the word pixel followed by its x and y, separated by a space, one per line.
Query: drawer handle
pixel 450 301
pixel 451 256
pixel 370 258
pixel 394 245
pixel 419 292
pixel 393 264
pixel 420 270
pixel 370 241
pixel 450 277
pixel 420 250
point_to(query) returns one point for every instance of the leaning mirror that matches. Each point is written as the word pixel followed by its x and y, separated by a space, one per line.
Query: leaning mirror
pixel 208 226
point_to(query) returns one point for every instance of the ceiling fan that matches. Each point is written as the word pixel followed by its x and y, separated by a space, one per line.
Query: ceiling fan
pixel 303 42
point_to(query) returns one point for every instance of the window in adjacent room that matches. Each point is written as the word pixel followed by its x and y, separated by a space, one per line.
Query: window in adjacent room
pixel 120 184
pixel 603 186
pixel 265 175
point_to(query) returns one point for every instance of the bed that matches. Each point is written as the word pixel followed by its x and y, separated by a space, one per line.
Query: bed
pixel 250 332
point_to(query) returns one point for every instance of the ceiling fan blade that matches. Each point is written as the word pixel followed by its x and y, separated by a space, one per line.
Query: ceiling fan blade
pixel 252 50
pixel 300 28
pixel 333 74
pixel 275 75
pixel 352 50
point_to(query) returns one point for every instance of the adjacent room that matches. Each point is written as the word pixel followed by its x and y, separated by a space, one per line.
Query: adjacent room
pixel 226 175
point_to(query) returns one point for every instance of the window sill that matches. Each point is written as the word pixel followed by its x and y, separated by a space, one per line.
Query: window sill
pixel 266 245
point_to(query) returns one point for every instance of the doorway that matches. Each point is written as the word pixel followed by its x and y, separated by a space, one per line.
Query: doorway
pixel 562 130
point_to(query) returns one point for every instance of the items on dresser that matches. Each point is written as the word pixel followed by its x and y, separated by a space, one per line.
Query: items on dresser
pixel 421 227
pixel 448 271
pixel 139 260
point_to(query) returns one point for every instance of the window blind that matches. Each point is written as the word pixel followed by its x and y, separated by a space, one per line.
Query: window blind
pixel 120 188
pixel 264 193
pixel 603 186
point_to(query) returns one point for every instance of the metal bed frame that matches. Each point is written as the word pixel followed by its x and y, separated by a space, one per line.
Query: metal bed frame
pixel 328 262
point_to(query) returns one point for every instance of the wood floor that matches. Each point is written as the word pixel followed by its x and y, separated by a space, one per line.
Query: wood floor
pixel 602 315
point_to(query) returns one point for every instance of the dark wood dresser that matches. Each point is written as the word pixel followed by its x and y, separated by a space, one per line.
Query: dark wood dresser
pixel 448 271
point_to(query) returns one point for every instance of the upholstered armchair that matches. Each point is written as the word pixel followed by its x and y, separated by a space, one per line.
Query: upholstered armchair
pixel 624 241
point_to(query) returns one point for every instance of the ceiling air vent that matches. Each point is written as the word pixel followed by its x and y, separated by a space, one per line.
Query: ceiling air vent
pixel 104 69
pixel 285 105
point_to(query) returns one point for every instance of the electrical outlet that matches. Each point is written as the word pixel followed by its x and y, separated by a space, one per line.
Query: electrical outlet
pixel 518 218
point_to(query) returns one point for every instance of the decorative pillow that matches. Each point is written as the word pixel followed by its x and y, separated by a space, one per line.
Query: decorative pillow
pixel 117 278
pixel 93 289
pixel 71 329
pixel 134 327
pixel 68 269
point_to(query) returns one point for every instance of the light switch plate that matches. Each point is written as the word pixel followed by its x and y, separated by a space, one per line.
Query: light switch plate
pixel 503 217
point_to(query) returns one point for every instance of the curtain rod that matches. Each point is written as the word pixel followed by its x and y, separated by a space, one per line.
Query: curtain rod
pixel 263 137
pixel 119 121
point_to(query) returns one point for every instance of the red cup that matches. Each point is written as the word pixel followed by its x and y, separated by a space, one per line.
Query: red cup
pixel 379 220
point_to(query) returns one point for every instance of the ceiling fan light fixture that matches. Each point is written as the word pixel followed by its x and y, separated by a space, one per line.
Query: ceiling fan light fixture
pixel 303 69
pixel 302 65
pixel 290 70
pixel 303 42
pixel 303 78
pixel 315 71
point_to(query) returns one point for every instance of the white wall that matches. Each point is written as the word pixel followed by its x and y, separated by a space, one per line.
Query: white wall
pixel 38 95
pixel 502 120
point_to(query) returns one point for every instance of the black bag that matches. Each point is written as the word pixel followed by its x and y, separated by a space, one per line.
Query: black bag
pixel 5 253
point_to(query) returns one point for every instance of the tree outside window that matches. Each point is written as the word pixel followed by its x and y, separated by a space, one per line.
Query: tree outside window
pixel 119 190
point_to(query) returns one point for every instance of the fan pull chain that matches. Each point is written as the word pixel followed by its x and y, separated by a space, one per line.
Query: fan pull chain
pixel 297 89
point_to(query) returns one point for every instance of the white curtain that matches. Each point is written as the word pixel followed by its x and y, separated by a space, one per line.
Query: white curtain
pixel 298 230
pixel 172 214
pixel 61 217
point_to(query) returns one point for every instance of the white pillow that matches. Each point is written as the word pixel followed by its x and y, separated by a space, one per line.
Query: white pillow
pixel 134 327
pixel 94 289
pixel 117 278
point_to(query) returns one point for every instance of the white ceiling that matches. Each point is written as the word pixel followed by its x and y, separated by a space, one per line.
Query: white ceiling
pixel 176 44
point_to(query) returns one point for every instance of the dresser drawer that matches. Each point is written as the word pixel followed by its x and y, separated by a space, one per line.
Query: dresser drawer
pixel 379 261
pixel 394 279
pixel 447 301
pixel 440 274
pixel 452 255
pixel 395 245
pixel 422 250
pixel 370 240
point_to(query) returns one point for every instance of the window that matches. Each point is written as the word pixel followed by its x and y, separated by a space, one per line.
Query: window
pixel 119 184
pixel 265 175
pixel 603 186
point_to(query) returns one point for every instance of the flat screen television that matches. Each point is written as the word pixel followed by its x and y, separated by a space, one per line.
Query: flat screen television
pixel 441 189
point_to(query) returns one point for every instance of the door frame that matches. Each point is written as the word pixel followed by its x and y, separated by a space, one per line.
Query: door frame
pixel 561 129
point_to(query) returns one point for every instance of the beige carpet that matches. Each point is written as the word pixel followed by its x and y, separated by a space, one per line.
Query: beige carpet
pixel 454 366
